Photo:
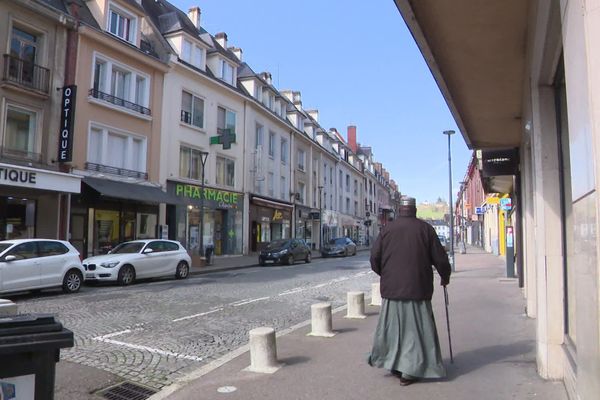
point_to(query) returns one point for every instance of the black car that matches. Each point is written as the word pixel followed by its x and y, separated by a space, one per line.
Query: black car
pixel 285 251
pixel 339 247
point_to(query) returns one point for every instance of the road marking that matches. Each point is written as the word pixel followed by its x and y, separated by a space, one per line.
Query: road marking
pixel 292 291
pixel 321 285
pixel 113 334
pixel 236 302
pixel 250 301
pixel 148 349
pixel 198 315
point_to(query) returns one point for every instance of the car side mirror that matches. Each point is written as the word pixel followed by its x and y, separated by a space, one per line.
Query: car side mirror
pixel 148 251
pixel 10 258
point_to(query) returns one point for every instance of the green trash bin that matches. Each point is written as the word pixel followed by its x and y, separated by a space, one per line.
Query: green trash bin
pixel 29 350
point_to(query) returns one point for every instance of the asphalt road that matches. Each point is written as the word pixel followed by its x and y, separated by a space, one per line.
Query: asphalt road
pixel 154 332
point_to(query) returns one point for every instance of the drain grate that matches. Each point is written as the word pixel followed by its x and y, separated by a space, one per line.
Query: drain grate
pixel 127 391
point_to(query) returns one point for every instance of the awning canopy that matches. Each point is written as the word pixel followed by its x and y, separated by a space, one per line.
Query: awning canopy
pixel 129 191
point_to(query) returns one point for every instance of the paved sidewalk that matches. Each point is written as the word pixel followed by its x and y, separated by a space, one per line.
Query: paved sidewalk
pixel 493 342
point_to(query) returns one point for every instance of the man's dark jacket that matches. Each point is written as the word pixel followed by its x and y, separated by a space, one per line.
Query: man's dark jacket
pixel 403 255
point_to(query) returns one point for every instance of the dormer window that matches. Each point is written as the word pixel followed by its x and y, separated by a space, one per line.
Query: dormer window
pixel 121 24
pixel 258 93
pixel 192 54
pixel 300 123
pixel 227 72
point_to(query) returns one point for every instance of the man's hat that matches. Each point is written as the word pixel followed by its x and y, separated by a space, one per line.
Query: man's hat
pixel 408 201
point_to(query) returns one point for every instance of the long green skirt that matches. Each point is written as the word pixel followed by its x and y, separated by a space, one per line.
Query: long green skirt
pixel 406 340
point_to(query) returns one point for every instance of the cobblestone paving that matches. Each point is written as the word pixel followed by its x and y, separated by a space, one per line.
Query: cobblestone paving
pixel 156 332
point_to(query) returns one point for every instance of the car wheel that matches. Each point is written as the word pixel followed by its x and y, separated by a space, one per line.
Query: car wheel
pixel 126 275
pixel 182 271
pixel 345 252
pixel 354 252
pixel 261 261
pixel 290 259
pixel 72 281
pixel 308 257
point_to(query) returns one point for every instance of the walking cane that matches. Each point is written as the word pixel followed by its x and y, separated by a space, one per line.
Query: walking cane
pixel 448 324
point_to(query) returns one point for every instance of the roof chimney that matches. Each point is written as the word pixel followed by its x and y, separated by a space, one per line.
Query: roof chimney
pixel 352 138
pixel 314 114
pixel 221 38
pixel 237 52
pixel 287 94
pixel 194 16
pixel 267 77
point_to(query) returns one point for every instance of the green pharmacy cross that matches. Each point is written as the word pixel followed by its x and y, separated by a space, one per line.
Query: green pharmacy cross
pixel 225 137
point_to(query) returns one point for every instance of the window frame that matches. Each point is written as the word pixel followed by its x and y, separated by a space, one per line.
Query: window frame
pixel 192 109
pixel 225 183
pixel 130 136
pixel 120 11
pixel 272 137
pixel 301 165
pixel 107 81
pixel 192 149
pixel 37 116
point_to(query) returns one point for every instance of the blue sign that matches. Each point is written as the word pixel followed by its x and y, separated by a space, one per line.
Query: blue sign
pixel 479 210
pixel 506 204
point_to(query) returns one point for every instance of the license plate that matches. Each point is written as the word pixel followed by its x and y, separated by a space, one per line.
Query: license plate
pixel 269 261
pixel 89 275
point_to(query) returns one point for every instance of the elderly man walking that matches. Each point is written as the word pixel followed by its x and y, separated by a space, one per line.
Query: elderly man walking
pixel 406 340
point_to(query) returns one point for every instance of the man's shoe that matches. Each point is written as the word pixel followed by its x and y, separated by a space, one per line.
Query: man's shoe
pixel 396 373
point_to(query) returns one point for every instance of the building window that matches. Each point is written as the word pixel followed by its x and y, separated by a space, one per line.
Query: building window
pixel 21 65
pixel 314 197
pixel 121 24
pixel 116 149
pixel 258 93
pixel 284 151
pixel 341 181
pixel 20 132
pixel 283 189
pixel 190 163
pixel 347 205
pixel 356 208
pixel 225 172
pixel 271 184
pixel 258 140
pixel 225 120
pixel 355 187
pixel 192 110
pixel 301 159
pixel 301 192
pixel 347 183
pixel 192 54
pixel 271 144
pixel 120 85
pixel 227 72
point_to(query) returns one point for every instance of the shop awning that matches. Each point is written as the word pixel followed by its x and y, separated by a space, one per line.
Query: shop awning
pixel 130 191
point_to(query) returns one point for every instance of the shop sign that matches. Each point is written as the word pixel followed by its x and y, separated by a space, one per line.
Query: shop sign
pixel 277 215
pixel 479 210
pixel 39 179
pixel 506 203
pixel 67 117
pixel 499 162
pixel 223 198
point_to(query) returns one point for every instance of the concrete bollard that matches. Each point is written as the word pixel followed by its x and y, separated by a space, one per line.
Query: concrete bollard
pixel 321 320
pixel 356 305
pixel 375 294
pixel 263 351
pixel 7 308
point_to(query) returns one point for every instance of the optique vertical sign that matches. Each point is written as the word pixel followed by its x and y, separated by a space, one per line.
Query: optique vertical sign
pixel 67 118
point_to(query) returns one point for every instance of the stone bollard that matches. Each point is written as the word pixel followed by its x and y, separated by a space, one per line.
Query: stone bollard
pixel 356 305
pixel 7 307
pixel 321 320
pixel 375 294
pixel 263 351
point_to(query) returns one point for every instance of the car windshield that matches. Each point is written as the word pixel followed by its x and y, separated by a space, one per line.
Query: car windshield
pixel 338 241
pixel 277 244
pixel 129 247
pixel 4 246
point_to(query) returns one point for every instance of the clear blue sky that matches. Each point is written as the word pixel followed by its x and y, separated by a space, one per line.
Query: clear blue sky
pixel 357 63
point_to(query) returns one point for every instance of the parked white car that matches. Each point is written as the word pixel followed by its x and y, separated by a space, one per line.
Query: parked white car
pixel 139 259
pixel 31 264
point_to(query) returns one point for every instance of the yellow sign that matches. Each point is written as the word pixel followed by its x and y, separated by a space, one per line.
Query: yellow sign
pixel 277 215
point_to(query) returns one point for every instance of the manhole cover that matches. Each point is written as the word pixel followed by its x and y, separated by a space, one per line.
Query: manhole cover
pixel 127 391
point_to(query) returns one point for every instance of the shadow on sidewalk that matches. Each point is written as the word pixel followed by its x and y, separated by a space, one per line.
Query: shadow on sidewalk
pixel 468 361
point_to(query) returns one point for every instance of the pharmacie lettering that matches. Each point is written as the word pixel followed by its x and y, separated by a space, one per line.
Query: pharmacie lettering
pixel 15 175
pixel 194 192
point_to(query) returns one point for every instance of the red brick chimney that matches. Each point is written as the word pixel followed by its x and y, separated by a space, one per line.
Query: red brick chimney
pixel 352 139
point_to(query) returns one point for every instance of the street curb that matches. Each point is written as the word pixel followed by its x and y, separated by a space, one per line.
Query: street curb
pixel 208 368
pixel 208 270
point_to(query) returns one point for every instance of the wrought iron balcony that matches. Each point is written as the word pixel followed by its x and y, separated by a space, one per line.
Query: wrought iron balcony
pixel 107 169
pixel 118 101
pixel 26 74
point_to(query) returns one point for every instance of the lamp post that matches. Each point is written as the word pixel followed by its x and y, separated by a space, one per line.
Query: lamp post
pixel 203 157
pixel 320 219
pixel 449 133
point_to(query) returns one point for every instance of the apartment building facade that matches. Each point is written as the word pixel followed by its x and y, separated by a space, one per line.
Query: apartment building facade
pixel 34 191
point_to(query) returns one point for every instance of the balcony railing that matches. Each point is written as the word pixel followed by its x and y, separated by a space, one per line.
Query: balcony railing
pixel 119 102
pixel 26 74
pixel 116 171
pixel 7 153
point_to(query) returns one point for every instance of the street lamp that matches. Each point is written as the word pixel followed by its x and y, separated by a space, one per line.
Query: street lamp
pixel 449 133
pixel 320 218
pixel 203 157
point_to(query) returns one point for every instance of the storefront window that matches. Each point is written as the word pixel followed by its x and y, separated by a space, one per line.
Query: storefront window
pixel 128 224
pixel 265 232
pixel 17 218
pixel 106 231
pixel 146 225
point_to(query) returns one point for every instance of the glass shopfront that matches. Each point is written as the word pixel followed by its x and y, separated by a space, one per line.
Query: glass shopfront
pixel 17 218
pixel 223 219
pixel 269 220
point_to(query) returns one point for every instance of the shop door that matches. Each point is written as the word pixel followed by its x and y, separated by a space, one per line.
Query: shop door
pixel 78 230
pixel 220 232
